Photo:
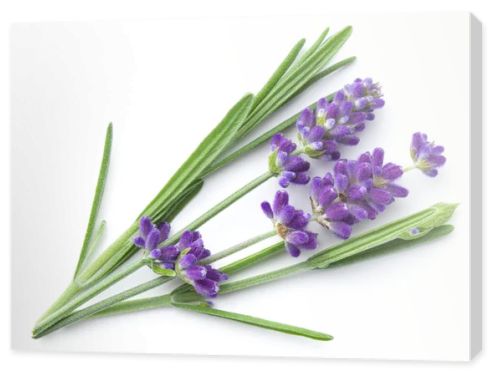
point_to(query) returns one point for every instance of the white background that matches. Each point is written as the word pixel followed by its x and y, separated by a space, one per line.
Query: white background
pixel 480 364
pixel 68 80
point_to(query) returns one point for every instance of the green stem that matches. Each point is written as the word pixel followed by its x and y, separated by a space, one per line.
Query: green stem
pixel 227 288
pixel 424 222
pixel 238 247
pixel 100 263
pixel 96 308
pixel 94 244
pixel 135 305
pixel 115 304
pixel 209 214
pixel 64 298
pixel 284 125
pixel 256 321
pixel 96 203
pixel 86 295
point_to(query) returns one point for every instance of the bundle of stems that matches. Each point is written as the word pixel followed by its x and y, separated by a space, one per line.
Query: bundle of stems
pixel 294 75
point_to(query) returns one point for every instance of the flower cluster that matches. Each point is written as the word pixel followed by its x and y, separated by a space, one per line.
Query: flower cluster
pixel 357 190
pixel 290 224
pixel 283 162
pixel 150 236
pixel 426 156
pixel 337 121
pixel 185 257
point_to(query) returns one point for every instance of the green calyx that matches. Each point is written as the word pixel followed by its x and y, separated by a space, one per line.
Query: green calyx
pixel 273 163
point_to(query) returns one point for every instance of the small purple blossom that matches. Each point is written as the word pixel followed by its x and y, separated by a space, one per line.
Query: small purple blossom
pixel 184 257
pixel 337 121
pixel 426 156
pixel 204 278
pixel 289 167
pixel 357 190
pixel 290 224
pixel 150 236
pixel 382 190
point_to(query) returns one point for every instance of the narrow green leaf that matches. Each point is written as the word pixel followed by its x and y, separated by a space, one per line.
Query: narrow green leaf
pixel 333 68
pixel 170 210
pixel 255 321
pixel 310 51
pixel 280 71
pixel 85 296
pixel 186 175
pixel 393 246
pixel 135 305
pixel 411 227
pixel 208 150
pixel 231 269
pixel 96 308
pixel 293 82
pixel 96 203
pixel 94 243
pixel 284 125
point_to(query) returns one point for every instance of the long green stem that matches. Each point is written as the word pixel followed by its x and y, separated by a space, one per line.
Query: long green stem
pixel 95 308
pixel 221 206
pixel 81 282
pixel 116 257
pixel 96 203
pixel 115 304
pixel 86 295
pixel 264 137
pixel 164 300
pixel 263 278
pixel 219 139
pixel 238 247
pixel 410 228
pixel 134 305
pixel 256 321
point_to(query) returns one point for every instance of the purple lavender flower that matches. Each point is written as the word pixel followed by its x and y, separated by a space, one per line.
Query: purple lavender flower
pixel 290 224
pixel 289 167
pixel 184 257
pixel 337 122
pixel 357 190
pixel 382 190
pixel 426 155
pixel 150 236
pixel 204 278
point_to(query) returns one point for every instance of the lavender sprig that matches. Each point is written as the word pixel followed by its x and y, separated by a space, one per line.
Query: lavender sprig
pixel 182 259
pixel 290 224
pixel 290 167
pixel 357 190
pixel 427 156
pixel 338 121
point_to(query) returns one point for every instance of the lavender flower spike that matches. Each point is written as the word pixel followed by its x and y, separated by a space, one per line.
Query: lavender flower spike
pixel 426 155
pixel 282 162
pixel 290 224
pixel 337 122
pixel 204 278
pixel 183 258
pixel 150 236
pixel 357 190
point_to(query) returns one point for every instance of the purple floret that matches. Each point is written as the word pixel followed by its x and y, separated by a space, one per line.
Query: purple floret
pixel 290 224
pixel 184 257
pixel 288 167
pixel 357 190
pixel 426 156
pixel 337 122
